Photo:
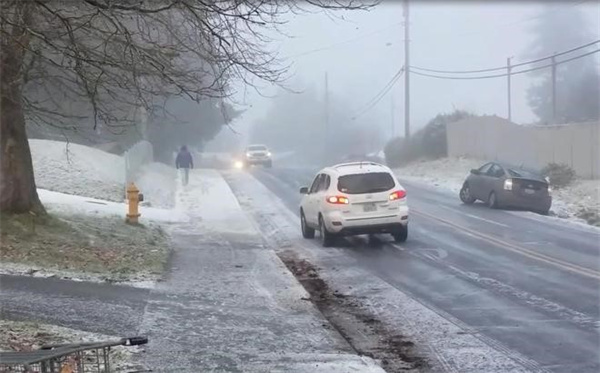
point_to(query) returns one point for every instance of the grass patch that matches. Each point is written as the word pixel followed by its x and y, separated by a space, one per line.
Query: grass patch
pixel 82 243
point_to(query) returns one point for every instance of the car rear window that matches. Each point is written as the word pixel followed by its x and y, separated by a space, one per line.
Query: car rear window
pixel 373 182
pixel 523 174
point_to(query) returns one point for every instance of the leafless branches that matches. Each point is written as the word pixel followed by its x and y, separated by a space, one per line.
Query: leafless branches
pixel 107 56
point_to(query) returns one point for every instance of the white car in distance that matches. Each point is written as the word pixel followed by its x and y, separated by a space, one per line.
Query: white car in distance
pixel 351 199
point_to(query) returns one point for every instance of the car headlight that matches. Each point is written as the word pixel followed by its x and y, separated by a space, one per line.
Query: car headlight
pixel 268 154
pixel 508 184
pixel 248 154
pixel 238 164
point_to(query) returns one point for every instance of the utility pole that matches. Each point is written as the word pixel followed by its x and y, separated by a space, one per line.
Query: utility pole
pixel 326 102
pixel 508 75
pixel 406 71
pixel 554 89
pixel 393 124
pixel 326 116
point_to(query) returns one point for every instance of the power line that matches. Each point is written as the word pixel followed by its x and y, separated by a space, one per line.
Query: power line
pixel 505 74
pixel 504 67
pixel 379 96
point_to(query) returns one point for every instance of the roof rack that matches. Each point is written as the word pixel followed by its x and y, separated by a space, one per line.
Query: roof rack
pixel 363 163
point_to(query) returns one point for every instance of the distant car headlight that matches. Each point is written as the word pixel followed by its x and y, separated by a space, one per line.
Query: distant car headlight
pixel 238 164
pixel 268 154
pixel 248 154
pixel 508 184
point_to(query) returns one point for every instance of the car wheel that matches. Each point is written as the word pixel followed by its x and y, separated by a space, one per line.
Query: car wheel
pixel 401 235
pixel 307 232
pixel 327 238
pixel 465 195
pixel 492 201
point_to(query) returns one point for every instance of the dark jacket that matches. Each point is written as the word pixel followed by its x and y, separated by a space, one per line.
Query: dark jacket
pixel 184 160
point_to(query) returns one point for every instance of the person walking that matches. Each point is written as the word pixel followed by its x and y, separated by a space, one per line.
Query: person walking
pixel 184 162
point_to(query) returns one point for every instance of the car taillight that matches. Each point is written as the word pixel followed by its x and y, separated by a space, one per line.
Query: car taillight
pixel 508 184
pixel 338 200
pixel 399 194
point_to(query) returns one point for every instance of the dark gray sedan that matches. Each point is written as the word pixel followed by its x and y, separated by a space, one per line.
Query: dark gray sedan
pixel 504 186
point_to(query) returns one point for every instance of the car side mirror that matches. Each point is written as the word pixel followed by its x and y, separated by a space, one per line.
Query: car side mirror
pixel 475 171
pixel 304 190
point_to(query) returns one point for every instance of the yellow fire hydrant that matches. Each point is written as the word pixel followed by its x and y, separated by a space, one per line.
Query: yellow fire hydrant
pixel 134 197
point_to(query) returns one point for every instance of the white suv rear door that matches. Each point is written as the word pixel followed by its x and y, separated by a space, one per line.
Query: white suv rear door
pixel 369 193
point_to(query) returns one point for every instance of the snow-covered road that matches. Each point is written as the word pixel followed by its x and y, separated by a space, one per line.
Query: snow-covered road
pixel 475 290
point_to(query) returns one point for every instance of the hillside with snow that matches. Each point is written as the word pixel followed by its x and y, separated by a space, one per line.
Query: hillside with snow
pixel 89 172
pixel 77 169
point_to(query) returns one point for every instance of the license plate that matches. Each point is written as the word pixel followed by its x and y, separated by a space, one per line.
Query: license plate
pixel 529 191
pixel 369 207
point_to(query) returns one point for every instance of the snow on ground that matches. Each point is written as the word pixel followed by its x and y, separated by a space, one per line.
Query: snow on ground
pixel 70 204
pixel 450 345
pixel 445 173
pixel 227 289
pixel 213 202
pixel 77 169
pixel 157 182
pixel 450 173
pixel 85 171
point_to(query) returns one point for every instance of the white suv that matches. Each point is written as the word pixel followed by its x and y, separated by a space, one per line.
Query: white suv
pixel 354 198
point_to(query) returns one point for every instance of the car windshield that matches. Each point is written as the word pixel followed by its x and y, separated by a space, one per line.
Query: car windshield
pixel 366 183
pixel 257 148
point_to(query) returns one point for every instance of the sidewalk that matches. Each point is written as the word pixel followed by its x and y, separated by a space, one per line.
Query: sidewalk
pixel 229 304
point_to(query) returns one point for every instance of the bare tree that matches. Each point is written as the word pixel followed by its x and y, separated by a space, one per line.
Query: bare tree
pixel 62 60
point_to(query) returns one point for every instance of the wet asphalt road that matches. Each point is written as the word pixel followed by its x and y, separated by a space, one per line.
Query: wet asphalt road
pixel 527 283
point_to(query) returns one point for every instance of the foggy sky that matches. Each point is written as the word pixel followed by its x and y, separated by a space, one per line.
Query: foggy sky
pixel 365 49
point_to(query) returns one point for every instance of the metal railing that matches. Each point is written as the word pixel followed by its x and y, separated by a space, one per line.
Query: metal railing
pixel 92 357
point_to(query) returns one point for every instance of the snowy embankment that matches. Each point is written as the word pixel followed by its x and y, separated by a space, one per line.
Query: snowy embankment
pixel 85 236
pixel 571 202
pixel 84 171
pixel 78 170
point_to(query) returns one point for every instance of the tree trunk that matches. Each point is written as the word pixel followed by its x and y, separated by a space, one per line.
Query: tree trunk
pixel 18 192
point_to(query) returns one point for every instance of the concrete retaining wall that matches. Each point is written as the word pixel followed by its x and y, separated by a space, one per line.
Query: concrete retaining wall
pixel 495 138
